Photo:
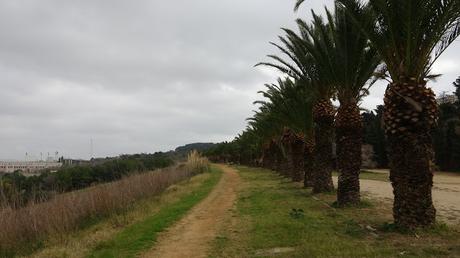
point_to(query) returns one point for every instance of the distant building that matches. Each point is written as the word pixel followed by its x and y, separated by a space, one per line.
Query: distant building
pixel 74 162
pixel 28 167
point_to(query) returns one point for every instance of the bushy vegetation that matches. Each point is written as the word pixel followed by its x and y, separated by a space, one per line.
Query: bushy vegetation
pixel 64 213
pixel 198 146
pixel 17 190
pixel 374 134
pixel 447 136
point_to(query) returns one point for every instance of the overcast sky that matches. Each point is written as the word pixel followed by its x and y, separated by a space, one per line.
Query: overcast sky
pixel 139 76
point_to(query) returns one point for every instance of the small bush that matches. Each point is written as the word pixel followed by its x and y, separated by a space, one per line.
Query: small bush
pixel 297 213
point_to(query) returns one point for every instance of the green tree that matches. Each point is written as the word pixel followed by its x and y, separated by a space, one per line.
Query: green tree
pixel 374 135
pixel 446 137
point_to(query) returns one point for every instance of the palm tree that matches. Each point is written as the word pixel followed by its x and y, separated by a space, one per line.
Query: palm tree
pixel 268 128
pixel 291 104
pixel 306 70
pixel 351 63
pixel 274 120
pixel 409 36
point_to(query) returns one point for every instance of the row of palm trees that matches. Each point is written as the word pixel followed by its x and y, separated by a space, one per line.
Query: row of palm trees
pixel 338 57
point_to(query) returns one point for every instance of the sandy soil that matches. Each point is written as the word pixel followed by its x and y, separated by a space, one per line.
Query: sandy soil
pixel 191 236
pixel 446 194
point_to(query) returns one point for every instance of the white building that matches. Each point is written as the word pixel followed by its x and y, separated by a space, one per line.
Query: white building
pixel 27 167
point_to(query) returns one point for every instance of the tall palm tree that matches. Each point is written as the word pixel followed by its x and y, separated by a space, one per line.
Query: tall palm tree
pixel 351 64
pixel 409 35
pixel 291 104
pixel 268 128
pixel 305 69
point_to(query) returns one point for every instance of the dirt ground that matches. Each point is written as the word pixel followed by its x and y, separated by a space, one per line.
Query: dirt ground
pixel 191 236
pixel 446 194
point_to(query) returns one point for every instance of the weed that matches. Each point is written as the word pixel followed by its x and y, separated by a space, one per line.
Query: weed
pixel 297 214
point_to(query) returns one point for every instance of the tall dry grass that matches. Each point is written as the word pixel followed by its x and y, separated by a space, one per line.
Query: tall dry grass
pixel 67 212
pixel 196 162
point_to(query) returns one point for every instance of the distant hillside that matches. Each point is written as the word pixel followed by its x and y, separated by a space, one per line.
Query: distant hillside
pixel 194 146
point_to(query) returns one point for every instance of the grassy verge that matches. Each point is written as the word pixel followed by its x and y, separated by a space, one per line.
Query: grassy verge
pixel 141 236
pixel 277 218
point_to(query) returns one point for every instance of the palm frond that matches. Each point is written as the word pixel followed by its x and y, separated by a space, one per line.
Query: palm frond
pixel 298 4
pixel 409 35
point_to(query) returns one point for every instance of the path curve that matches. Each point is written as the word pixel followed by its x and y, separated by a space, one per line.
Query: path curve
pixel 191 236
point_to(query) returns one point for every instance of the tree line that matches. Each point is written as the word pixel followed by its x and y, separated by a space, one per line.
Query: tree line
pixel 16 190
pixel 446 139
pixel 339 56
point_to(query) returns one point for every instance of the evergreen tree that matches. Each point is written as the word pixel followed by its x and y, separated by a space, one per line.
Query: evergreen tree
pixel 374 134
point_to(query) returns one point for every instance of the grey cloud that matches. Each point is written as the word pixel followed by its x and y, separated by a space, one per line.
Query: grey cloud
pixel 137 76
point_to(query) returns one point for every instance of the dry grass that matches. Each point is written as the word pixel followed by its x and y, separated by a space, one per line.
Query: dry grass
pixel 80 243
pixel 68 212
pixel 196 162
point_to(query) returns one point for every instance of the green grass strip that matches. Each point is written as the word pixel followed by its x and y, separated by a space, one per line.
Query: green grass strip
pixel 141 236
pixel 275 214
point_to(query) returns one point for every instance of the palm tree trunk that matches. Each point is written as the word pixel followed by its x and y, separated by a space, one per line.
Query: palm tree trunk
pixel 410 116
pixel 267 157
pixel 287 165
pixel 287 153
pixel 298 147
pixel 272 161
pixel 349 128
pixel 279 160
pixel 323 113
pixel 289 160
pixel 269 163
pixel 308 161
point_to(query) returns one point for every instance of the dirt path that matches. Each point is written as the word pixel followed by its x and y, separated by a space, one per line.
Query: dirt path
pixel 446 194
pixel 190 237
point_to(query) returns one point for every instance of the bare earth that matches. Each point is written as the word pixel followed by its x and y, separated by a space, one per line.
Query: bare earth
pixel 191 236
pixel 446 194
